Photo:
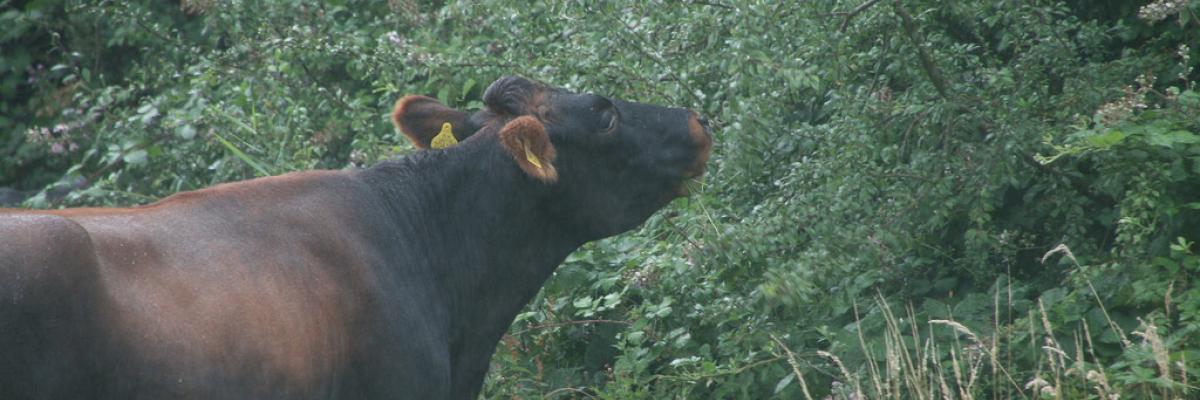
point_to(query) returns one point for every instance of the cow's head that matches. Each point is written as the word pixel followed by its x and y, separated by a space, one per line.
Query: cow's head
pixel 605 165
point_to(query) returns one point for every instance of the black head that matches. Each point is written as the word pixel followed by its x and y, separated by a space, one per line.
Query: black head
pixel 604 165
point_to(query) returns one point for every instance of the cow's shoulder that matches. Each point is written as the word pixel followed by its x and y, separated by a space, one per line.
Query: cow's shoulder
pixel 38 240
pixel 47 296
pixel 43 256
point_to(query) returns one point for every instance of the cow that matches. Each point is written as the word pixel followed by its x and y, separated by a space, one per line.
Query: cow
pixel 393 281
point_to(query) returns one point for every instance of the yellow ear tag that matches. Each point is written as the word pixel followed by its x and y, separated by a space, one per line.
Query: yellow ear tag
pixel 530 157
pixel 444 139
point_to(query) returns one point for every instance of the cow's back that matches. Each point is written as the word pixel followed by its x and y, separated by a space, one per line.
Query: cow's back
pixel 48 297
pixel 244 290
pixel 295 286
pixel 269 288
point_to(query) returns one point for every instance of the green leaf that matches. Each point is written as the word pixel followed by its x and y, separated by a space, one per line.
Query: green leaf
pixel 241 155
pixel 186 131
pixel 611 300
pixel 444 95
pixel 148 113
pixel 1169 139
pixel 682 340
pixel 135 157
pixel 783 383
pixel 1189 98
pixel 583 302
pixel 467 86
pixel 635 336
pixel 1107 139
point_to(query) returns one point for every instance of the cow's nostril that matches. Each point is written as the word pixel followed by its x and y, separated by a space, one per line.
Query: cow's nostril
pixel 704 122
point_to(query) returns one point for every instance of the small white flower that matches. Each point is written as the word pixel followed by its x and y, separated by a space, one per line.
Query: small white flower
pixel 1161 9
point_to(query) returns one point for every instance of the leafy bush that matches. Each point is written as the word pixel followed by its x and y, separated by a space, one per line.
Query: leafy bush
pixel 907 199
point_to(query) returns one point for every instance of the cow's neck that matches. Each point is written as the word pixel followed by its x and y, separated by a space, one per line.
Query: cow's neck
pixel 481 227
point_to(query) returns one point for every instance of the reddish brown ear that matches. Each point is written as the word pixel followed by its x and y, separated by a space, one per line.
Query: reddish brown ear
pixel 421 118
pixel 526 141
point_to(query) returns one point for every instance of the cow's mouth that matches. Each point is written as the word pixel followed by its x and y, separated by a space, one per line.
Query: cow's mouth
pixel 684 187
pixel 702 139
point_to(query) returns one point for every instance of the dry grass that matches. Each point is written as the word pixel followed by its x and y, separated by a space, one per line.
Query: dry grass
pixel 915 365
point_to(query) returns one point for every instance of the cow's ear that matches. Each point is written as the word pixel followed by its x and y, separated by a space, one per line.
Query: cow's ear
pixel 422 118
pixel 526 141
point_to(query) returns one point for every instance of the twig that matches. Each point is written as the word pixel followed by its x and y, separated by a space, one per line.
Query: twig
pixel 671 223
pixel 320 83
pixel 927 63
pixel 850 15
pixel 486 64
pixel 312 77
pixel 138 20
pixel 569 323
pixel 736 371
pixel 719 5
pixel 1073 181
pixel 640 45
pixel 791 359
pixel 90 179
pixel 554 392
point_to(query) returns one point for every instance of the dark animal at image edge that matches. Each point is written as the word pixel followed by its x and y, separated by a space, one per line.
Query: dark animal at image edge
pixel 394 281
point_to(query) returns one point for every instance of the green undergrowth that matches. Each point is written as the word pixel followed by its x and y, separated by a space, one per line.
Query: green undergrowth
pixel 907 199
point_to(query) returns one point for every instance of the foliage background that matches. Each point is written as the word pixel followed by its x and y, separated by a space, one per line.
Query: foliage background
pixel 908 199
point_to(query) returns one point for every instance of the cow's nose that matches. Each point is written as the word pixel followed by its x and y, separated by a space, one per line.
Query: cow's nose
pixel 698 130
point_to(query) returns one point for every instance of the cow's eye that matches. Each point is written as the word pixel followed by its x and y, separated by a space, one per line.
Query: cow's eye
pixel 612 121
